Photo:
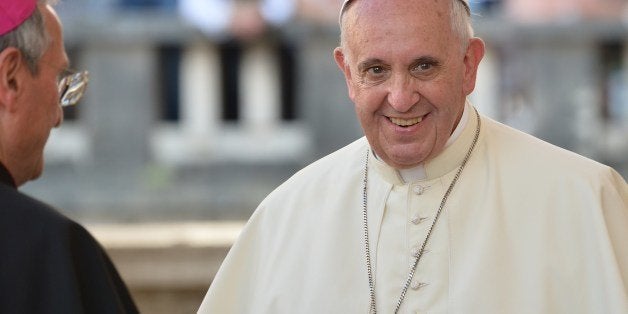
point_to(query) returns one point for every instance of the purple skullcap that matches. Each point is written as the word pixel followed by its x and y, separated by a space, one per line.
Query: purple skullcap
pixel 14 12
pixel 346 4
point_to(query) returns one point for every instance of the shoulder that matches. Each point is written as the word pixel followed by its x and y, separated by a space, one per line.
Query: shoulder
pixel 523 169
pixel 55 256
pixel 533 154
pixel 339 165
pixel 19 207
pixel 32 219
pixel 333 176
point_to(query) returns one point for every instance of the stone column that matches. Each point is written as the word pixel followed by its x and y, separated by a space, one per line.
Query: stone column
pixel 121 104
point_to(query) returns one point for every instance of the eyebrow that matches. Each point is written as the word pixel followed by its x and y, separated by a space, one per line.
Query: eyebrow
pixel 376 61
pixel 426 59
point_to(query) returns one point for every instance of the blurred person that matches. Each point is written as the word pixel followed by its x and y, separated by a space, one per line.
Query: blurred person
pixel 438 209
pixel 152 4
pixel 552 11
pixel 482 7
pixel 233 24
pixel 241 19
pixel 49 264
pixel 321 12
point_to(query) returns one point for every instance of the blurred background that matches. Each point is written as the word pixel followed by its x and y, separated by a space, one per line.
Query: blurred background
pixel 199 108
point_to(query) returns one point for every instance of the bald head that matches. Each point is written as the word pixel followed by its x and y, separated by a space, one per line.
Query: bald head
pixel 348 3
pixel 460 16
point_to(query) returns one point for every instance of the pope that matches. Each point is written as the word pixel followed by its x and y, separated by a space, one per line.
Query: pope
pixel 438 209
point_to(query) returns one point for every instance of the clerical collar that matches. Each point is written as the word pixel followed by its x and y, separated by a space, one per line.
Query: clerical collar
pixel 5 177
pixel 446 161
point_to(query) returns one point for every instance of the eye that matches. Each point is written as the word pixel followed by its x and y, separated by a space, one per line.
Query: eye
pixel 425 68
pixel 376 70
pixel 374 74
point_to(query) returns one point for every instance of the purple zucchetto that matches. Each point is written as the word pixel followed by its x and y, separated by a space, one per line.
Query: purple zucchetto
pixel 14 12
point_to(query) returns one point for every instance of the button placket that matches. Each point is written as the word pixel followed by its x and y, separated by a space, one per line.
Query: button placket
pixel 419 190
pixel 423 200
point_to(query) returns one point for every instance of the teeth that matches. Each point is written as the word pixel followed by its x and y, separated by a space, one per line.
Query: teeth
pixel 406 122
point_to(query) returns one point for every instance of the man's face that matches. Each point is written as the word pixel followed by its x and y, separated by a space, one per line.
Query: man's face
pixel 39 110
pixel 408 74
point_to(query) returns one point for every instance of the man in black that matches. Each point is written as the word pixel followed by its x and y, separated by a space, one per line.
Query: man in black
pixel 48 263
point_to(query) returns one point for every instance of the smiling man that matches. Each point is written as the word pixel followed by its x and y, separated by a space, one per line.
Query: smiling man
pixel 49 263
pixel 439 209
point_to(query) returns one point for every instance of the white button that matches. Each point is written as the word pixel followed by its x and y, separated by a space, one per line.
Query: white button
pixel 416 285
pixel 419 190
pixel 415 251
pixel 418 219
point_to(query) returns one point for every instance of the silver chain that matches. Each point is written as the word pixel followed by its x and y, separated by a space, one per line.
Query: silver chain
pixel 413 267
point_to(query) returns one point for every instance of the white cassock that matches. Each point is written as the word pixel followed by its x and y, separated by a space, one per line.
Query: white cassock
pixel 528 228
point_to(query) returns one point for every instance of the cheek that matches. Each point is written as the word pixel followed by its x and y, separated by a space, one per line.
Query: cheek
pixel 44 105
pixel 366 114
pixel 363 115
pixel 445 95
pixel 52 105
pixel 368 100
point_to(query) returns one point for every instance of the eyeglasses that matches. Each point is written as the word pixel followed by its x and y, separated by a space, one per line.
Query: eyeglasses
pixel 72 87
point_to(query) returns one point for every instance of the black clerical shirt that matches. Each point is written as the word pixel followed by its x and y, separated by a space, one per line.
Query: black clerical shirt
pixel 51 264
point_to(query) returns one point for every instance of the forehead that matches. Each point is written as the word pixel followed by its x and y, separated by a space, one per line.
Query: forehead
pixel 394 24
pixel 427 12
pixel 56 50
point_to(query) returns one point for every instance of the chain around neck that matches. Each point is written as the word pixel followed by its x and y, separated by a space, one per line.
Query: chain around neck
pixel 413 267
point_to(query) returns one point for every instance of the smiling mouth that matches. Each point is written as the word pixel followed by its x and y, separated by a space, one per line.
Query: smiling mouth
pixel 406 122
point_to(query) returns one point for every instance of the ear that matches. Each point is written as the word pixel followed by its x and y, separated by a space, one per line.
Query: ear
pixel 11 73
pixel 472 58
pixel 342 63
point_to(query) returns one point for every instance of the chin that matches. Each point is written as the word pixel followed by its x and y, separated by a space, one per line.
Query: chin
pixel 407 158
pixel 403 162
pixel 37 171
pixel 35 176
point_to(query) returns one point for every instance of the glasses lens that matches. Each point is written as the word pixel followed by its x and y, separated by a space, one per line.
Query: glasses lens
pixel 72 88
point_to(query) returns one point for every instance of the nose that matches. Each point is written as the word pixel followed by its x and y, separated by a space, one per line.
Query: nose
pixel 59 117
pixel 402 94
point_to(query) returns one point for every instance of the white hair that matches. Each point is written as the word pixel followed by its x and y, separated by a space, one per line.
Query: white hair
pixel 31 37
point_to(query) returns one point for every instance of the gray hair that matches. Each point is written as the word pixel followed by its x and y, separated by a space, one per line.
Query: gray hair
pixel 460 19
pixel 31 37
